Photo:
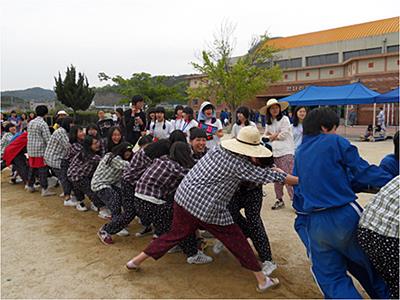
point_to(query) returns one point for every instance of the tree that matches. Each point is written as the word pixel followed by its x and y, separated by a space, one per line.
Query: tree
pixel 155 89
pixel 232 80
pixel 73 93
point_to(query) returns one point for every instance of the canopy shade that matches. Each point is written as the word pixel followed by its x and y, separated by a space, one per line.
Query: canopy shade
pixel 355 93
pixel 389 97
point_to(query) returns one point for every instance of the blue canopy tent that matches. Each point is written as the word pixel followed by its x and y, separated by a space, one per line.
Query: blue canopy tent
pixel 389 97
pixel 355 93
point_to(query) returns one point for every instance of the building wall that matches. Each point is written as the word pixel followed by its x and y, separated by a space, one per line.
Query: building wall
pixel 371 65
pixel 392 63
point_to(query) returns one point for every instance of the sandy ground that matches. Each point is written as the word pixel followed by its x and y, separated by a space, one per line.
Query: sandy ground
pixel 52 251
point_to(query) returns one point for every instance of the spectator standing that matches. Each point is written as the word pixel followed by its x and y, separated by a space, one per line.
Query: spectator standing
pixel 135 120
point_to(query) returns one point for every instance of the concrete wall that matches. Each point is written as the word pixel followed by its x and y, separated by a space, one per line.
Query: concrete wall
pixel 393 63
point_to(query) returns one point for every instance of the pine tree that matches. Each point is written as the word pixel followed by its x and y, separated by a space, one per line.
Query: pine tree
pixel 74 94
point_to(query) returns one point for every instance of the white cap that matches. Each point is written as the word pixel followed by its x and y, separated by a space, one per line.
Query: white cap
pixel 62 112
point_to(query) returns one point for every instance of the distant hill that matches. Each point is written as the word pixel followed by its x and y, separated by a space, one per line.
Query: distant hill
pixel 32 94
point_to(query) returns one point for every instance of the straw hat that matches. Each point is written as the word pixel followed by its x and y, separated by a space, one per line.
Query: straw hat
pixel 284 105
pixel 247 143
pixel 62 112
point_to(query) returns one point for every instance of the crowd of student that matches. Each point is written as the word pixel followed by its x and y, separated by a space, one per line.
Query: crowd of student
pixel 182 182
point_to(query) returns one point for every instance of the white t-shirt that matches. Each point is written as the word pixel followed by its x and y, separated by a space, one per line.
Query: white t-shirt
pixel 211 131
pixel 177 124
pixel 284 144
pixel 159 132
pixel 185 127
pixel 236 128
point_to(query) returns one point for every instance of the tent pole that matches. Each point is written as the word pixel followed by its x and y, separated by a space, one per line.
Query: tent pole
pixel 373 121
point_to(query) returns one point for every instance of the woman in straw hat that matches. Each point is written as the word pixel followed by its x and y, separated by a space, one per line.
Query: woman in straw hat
pixel 279 133
pixel 202 197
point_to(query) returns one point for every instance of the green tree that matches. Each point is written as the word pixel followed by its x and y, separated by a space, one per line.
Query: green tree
pixel 232 80
pixel 154 89
pixel 75 94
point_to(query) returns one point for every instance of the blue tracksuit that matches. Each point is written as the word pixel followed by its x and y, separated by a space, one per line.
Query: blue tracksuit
pixel 327 166
pixel 390 164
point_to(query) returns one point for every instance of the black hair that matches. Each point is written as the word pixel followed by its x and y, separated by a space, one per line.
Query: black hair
pixel 278 117
pixel 265 162
pixel 119 150
pixel 189 111
pixel 136 99
pixel 182 154
pixel 209 106
pixel 41 110
pixel 159 109
pixel 110 143
pixel 245 112
pixel 120 111
pixel 8 126
pixel 26 116
pixel 196 132
pixel 66 123
pixel 157 149
pixel 13 112
pixel 177 136
pixel 73 133
pixel 319 117
pixel 396 145
pixel 145 140
pixel 93 126
pixel 87 151
pixel 178 107
pixel 295 117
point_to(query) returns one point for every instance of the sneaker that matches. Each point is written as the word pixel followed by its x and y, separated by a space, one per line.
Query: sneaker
pixel 278 204
pixel 145 231
pixel 18 179
pixel 199 258
pixel 105 214
pixel 123 232
pixel 70 202
pixel 268 267
pixel 81 206
pixel 104 237
pixel 62 195
pixel 93 207
pixel 175 249
pixel 130 265
pixel 30 189
pixel 218 247
pixel 36 186
pixel 47 193
pixel 269 283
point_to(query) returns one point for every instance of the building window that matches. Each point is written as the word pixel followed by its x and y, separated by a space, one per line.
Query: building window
pixel 289 63
pixel 370 65
pixel 331 72
pixel 308 74
pixel 325 59
pixel 362 52
pixel 394 48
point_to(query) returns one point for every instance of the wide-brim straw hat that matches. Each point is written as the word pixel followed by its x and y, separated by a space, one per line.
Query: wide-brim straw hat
pixel 284 105
pixel 247 143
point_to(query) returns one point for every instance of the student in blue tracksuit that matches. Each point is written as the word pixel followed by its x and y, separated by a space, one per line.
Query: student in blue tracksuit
pixel 327 166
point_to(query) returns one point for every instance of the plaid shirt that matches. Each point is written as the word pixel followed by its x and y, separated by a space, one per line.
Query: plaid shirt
pixel 161 178
pixel 381 215
pixel 57 148
pixel 74 150
pixel 206 191
pixel 38 137
pixel 138 165
pixel 107 175
pixel 80 168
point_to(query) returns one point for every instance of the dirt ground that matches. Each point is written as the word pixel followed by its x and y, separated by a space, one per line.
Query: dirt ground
pixel 52 251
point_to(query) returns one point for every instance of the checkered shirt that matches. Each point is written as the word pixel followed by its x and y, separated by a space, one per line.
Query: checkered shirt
pixel 82 167
pixel 206 191
pixel 381 215
pixel 57 148
pixel 74 150
pixel 38 137
pixel 110 174
pixel 138 165
pixel 161 178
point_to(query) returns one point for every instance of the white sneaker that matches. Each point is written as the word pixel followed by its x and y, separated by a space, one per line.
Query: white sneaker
pixel 93 207
pixel 47 193
pixel 70 202
pixel 268 267
pixel 30 189
pixel 218 247
pixel 123 232
pixel 199 258
pixel 105 214
pixel 18 179
pixel 81 206
pixel 52 181
pixel 37 186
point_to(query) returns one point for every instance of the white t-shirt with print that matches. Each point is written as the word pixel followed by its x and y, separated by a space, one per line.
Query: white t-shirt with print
pixel 215 140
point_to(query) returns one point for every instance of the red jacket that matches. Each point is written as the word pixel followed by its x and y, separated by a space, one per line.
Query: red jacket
pixel 16 146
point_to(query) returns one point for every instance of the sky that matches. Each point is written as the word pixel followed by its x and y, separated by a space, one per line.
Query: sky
pixel 40 38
